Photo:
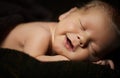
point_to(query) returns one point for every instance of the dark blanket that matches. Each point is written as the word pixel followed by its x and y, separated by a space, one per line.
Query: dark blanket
pixel 15 64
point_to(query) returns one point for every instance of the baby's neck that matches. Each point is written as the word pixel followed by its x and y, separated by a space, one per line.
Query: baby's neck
pixel 52 27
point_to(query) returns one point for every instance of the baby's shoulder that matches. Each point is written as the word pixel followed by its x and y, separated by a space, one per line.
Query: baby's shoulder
pixel 32 28
pixel 27 31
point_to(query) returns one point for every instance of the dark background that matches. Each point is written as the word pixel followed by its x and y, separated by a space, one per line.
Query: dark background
pixel 53 8
pixel 57 7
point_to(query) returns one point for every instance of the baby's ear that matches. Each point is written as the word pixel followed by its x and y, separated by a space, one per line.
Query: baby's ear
pixel 62 16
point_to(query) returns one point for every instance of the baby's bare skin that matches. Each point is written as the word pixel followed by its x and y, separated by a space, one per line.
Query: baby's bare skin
pixel 106 63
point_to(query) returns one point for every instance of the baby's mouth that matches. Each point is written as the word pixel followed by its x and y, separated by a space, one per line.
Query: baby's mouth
pixel 69 44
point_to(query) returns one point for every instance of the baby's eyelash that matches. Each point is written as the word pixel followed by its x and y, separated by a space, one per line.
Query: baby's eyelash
pixel 82 26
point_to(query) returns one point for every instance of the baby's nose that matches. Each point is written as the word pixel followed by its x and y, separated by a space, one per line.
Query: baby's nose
pixel 83 41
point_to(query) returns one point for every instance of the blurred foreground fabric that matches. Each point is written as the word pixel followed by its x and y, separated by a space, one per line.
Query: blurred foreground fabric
pixel 15 64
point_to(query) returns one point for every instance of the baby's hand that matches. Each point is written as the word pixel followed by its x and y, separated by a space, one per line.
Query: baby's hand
pixel 105 62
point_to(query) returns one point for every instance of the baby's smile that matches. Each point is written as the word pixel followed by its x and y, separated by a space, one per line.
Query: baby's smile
pixel 68 44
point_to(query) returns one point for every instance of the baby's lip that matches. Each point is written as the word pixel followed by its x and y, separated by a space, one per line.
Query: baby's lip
pixel 69 44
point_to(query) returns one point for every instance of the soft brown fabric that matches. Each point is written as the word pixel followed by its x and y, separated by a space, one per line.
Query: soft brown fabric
pixel 15 64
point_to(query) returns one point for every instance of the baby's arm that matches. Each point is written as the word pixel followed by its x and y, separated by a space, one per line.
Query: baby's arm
pixel 45 58
pixel 106 62
pixel 37 44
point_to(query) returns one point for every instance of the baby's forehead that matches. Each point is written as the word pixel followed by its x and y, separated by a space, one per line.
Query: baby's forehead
pixel 96 10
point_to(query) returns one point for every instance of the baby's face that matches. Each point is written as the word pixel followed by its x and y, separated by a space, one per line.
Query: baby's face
pixel 83 36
